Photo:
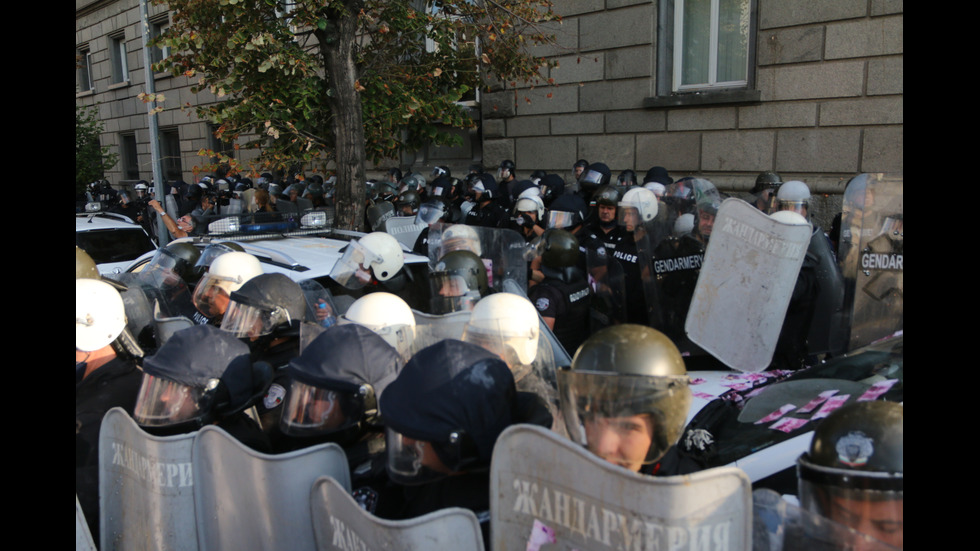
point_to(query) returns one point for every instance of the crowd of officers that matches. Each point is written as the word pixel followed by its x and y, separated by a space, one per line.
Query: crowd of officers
pixel 418 407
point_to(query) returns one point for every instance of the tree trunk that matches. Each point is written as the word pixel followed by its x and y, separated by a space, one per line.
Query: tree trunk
pixel 337 48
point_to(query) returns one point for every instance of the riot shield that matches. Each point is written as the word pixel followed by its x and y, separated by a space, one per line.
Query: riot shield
pixel 339 523
pixel 608 281
pixel 745 285
pixel 378 214
pixel 146 487
pixel 547 490
pixel 405 230
pixel 871 256
pixel 250 500
pixel 83 537
pixel 502 250
pixel 432 328
pixel 778 525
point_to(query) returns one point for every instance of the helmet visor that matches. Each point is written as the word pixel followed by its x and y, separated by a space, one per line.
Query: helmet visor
pixel 251 321
pixel 162 402
pixel 353 271
pixel 430 213
pixel 312 410
pixel 630 420
pixel 562 219
pixel 412 462
pixel 516 347
pixel 212 295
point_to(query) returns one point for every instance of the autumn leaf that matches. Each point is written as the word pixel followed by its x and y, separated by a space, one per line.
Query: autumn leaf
pixel 437 72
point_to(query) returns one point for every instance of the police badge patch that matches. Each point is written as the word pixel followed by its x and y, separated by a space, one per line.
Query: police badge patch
pixel 542 304
pixel 274 397
pixel 854 449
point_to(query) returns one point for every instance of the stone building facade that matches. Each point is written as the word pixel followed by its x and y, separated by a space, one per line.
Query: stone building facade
pixel 820 99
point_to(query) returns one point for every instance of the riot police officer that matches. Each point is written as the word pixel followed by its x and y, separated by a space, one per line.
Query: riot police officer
pixel 853 472
pixel 564 297
pixel 626 398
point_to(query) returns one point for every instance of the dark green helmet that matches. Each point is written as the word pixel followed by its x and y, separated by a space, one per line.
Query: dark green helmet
pixel 607 195
pixel 560 249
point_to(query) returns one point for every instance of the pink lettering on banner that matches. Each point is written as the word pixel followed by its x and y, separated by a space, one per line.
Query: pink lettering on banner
pixel 788 424
pixel 830 405
pixel 704 396
pixel 877 390
pixel 812 405
pixel 776 414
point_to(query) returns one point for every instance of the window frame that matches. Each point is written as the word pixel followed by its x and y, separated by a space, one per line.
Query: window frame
pixel 118 59
pixel 667 94
pixel 129 156
pixel 85 70
pixel 157 27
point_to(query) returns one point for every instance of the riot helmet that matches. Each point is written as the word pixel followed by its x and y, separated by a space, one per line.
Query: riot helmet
pixel 267 304
pixel 638 206
pixel 227 274
pixel 579 168
pixel 199 376
pixel 658 174
pixel 336 382
pixel 793 195
pixel 551 186
pixel 707 210
pixel 657 188
pixel 413 181
pixel 627 178
pixel 684 224
pixel 444 412
pixel 558 249
pixel 377 254
pixel 507 325
pixel 441 171
pixel 387 315
pixel 214 250
pixel 100 315
pixel 626 395
pixel 507 170
pixel 529 205
pixel 408 203
pixel 596 175
pixel 394 175
pixel 85 267
pixel 458 281
pixel 141 190
pixel 853 472
pixel 432 211
pixel 460 237
pixel 606 201
pixel 175 261
pixel 524 188
pixel 766 181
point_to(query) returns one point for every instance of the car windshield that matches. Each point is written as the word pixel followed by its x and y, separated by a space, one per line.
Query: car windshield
pixel 116 245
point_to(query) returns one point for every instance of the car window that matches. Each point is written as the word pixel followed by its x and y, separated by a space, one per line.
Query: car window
pixel 118 245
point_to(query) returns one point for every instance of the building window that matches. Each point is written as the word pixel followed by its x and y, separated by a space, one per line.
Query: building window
pixel 158 27
pixel 129 157
pixel 83 59
pixel 117 57
pixel 217 145
pixel 170 153
pixel 706 46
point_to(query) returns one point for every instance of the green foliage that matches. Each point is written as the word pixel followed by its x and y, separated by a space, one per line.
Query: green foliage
pixel 262 61
pixel 92 159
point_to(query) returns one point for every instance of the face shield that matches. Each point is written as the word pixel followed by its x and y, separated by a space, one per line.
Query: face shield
pixel 629 420
pixel 212 294
pixel 516 345
pixel 412 462
pixel 313 411
pixel 162 271
pixel 162 402
pixel 353 271
pixel 629 216
pixel 243 320
pixel 452 293
pixel 562 219
pixel 869 502
pixel 430 213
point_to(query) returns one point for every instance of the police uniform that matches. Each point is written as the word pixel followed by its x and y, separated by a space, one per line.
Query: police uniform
pixel 568 300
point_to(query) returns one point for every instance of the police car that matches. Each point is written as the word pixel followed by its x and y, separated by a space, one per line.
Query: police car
pixel 762 422
pixel 302 247
pixel 112 240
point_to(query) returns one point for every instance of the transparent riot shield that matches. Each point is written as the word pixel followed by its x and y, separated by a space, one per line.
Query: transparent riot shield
pixel 83 537
pixel 547 490
pixel 871 256
pixel 432 328
pixel 340 524
pixel 778 525
pixel 146 487
pixel 405 230
pixel 250 500
pixel 503 250
pixel 378 214
pixel 750 269
pixel 608 281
